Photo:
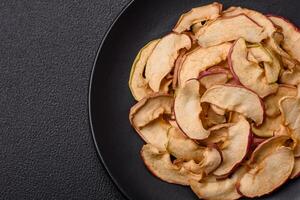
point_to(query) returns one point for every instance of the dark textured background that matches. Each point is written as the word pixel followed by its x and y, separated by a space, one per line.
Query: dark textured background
pixel 47 49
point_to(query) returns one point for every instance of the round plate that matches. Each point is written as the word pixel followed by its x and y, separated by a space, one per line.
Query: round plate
pixel 110 99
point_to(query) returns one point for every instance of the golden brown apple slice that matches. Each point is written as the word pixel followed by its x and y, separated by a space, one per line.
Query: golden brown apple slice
pixel 267 174
pixel 160 165
pixel 291 76
pixel 196 15
pixel 137 83
pixel 213 189
pixel 272 101
pixel 187 110
pixel 201 59
pixel 239 140
pixel 249 73
pixel 296 169
pixel 145 118
pixel 291 42
pixel 268 128
pixel 235 98
pixel 162 59
pixel 290 109
pixel 232 28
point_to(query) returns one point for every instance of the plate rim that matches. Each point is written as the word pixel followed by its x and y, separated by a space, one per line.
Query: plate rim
pixel 90 118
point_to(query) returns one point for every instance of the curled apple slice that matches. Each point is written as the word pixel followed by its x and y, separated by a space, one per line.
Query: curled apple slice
pixel 159 164
pixel 272 101
pixel 233 28
pixel 235 98
pixel 291 42
pixel 213 189
pixel 259 54
pixel 249 73
pixel 214 77
pixel 296 169
pixel 137 83
pixel 196 15
pixel 187 111
pixel 218 110
pixel 201 59
pixel 267 174
pixel 162 59
pixel 145 118
pixel 239 138
pixel 268 128
pixel 291 76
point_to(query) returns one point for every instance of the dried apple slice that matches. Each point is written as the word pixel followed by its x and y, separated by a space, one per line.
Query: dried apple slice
pixel 218 110
pixel 296 169
pixel 291 42
pixel 235 98
pixel 259 54
pixel 291 76
pixel 214 77
pixel 178 64
pixel 160 165
pixel 201 59
pixel 268 128
pixel 162 59
pixel 232 28
pixel 213 189
pixel 196 15
pixel 272 101
pixel 267 174
pixel 290 109
pixel 137 83
pixel 239 138
pixel 187 111
pixel 249 73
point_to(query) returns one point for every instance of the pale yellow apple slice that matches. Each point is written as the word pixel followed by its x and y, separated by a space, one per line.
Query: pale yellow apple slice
pixel 296 169
pixel 163 57
pixel 268 128
pixel 272 101
pixel 137 83
pixel 291 42
pixel 160 165
pixel 239 140
pixel 187 111
pixel 214 189
pixel 196 15
pixel 227 29
pixel 235 98
pixel 249 73
pixel 267 174
pixel 201 59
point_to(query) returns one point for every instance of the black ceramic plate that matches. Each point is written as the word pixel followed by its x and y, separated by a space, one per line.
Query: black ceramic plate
pixel 110 100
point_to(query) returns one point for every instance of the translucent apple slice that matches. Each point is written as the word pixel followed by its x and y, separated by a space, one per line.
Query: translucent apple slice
pixel 272 101
pixel 249 73
pixel 201 59
pixel 214 189
pixel 160 165
pixel 235 98
pixel 291 42
pixel 196 15
pixel 239 138
pixel 187 111
pixel 163 57
pixel 268 128
pixel 268 174
pixel 296 170
pixel 232 28
pixel 137 83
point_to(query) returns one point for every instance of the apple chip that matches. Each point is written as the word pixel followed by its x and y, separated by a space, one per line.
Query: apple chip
pixel 196 15
pixel 261 179
pixel 239 138
pixel 249 73
pixel 218 110
pixel 212 188
pixel 137 83
pixel 210 78
pixel 201 59
pixel 162 59
pixel 187 111
pixel 233 28
pixel 291 42
pixel 291 76
pixel 268 128
pixel 159 164
pixel 235 98
pixel 272 101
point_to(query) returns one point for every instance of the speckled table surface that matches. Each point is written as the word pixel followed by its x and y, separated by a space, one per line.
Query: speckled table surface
pixel 47 51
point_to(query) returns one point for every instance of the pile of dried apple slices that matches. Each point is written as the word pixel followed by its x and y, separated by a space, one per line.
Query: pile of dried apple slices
pixel 219 103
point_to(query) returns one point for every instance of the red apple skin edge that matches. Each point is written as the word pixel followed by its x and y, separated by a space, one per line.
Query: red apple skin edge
pixel 286 20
